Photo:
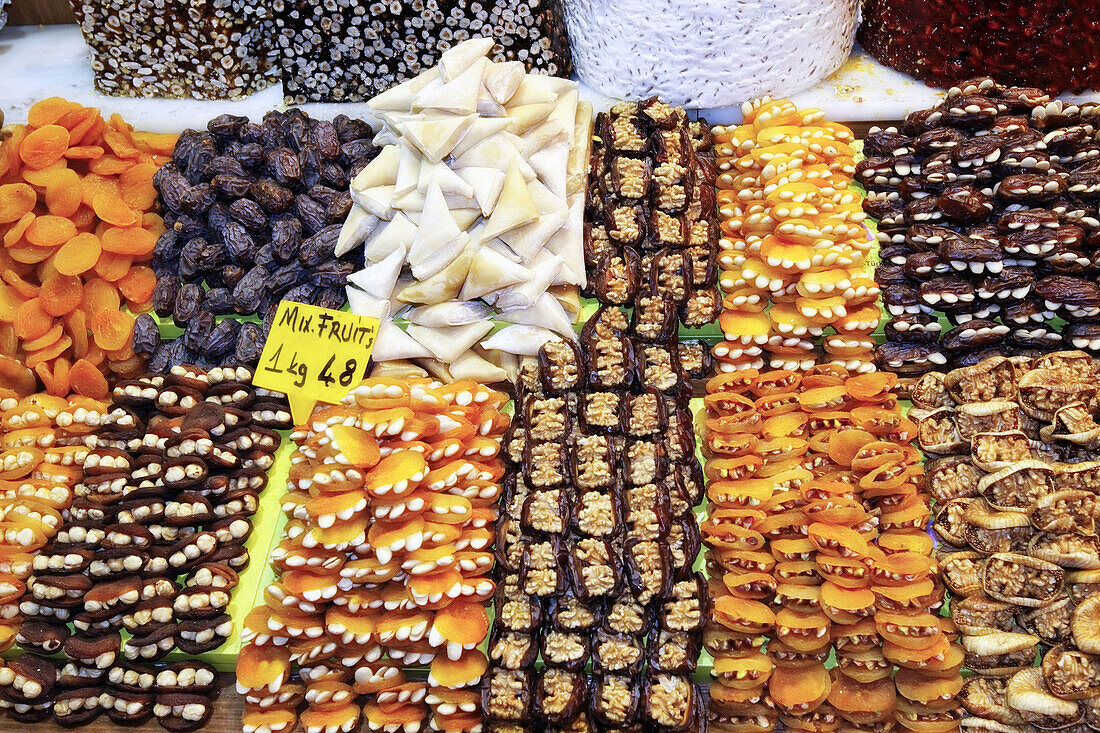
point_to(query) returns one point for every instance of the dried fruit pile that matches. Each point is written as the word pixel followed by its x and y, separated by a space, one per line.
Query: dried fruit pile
pixel 41 454
pixel 474 208
pixel 596 551
pixel 253 211
pixel 151 546
pixel 391 508
pixel 76 201
pixel 650 231
pixel 816 528
pixel 987 215
pixel 350 50
pixel 1015 477
pixel 793 245
pixel 1042 43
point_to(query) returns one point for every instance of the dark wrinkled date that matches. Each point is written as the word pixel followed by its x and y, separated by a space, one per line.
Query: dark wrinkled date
pixel 241 203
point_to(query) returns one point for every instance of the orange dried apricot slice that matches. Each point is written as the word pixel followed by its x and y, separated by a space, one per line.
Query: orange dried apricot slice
pixel 87 380
pixel 99 295
pixel 16 200
pixel 136 186
pixel 78 255
pixel 111 329
pixel 44 146
pixel 64 193
pixel 32 320
pixel 112 267
pixel 48 111
pixel 129 240
pixel 138 284
pixel 60 294
pixel 50 231
pixel 112 209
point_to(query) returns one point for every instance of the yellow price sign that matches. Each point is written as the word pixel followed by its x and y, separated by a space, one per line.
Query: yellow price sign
pixel 315 355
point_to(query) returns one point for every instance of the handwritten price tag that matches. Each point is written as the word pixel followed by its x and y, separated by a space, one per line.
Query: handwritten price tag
pixel 315 355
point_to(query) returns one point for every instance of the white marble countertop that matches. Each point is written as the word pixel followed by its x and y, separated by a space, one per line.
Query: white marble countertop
pixel 44 61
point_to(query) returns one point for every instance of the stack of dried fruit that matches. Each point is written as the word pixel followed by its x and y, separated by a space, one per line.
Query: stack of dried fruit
pixel 987 215
pixel 76 200
pixel 816 529
pixel 151 546
pixel 41 454
pixel 1015 477
pixel 391 507
pixel 793 245
pixel 596 550
pixel 254 211
pixel 650 227
pixel 474 208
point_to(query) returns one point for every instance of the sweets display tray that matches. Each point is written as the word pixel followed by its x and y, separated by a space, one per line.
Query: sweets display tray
pixel 862 90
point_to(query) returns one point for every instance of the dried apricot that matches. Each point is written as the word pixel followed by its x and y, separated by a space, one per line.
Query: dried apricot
pixel 31 320
pixel 112 329
pixel 17 377
pixel 87 380
pixel 99 295
pixel 44 146
pixel 76 323
pixel 138 284
pixel 50 231
pixel 18 229
pixel 50 337
pixel 16 200
pixel 64 193
pixel 10 300
pixel 89 132
pixel 112 267
pixel 113 210
pixel 110 165
pixel 48 111
pixel 120 142
pixel 78 255
pixel 54 350
pixel 155 143
pixel 84 152
pixel 28 254
pixel 136 186
pixel 133 241
pixel 61 294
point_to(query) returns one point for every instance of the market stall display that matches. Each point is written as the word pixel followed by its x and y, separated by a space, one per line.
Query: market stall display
pixel 202 49
pixel 1013 467
pixel 986 209
pixel 793 247
pixel 940 41
pixel 254 211
pixel 77 213
pixel 391 510
pixel 708 54
pixel 498 526
pixel 473 208
pixel 351 50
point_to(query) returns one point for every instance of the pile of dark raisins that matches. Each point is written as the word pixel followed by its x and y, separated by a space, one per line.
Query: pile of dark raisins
pixel 253 213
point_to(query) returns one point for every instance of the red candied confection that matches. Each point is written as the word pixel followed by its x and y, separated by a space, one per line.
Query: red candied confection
pixel 1051 44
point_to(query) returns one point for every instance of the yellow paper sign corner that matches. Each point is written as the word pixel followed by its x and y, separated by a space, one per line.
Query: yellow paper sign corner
pixel 315 354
